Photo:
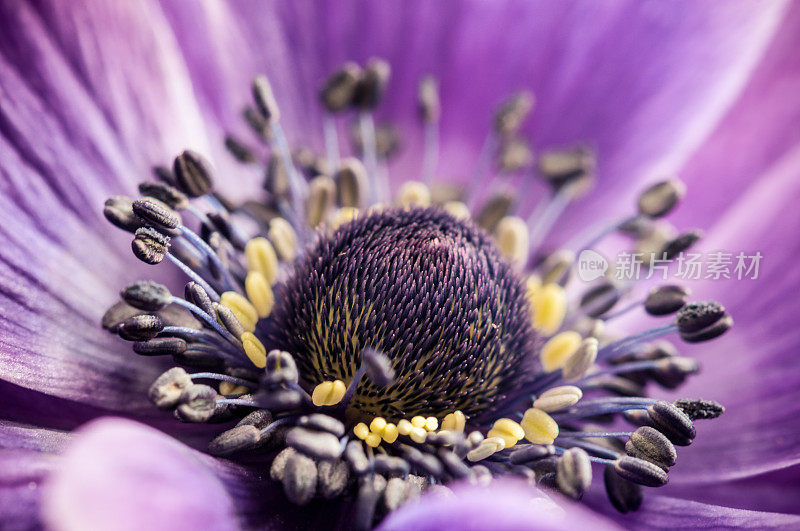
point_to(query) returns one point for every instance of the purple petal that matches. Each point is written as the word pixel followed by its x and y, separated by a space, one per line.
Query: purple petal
pixel 122 475
pixel 503 505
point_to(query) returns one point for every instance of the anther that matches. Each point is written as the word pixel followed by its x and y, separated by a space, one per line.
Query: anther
pixel 257 123
pixel 453 464
pixel 241 308
pixel 254 349
pixel 549 307
pixel 390 465
pixel 599 299
pixel 165 193
pixel 283 238
pixel 702 321
pixel 261 257
pixel 680 244
pixel 556 267
pixel 511 114
pixel 239 149
pixel 515 154
pixel 321 422
pixel 414 193
pixel 581 361
pixel 659 199
pixel 229 320
pixel 259 293
pixel 333 477
pixel 279 369
pixel 166 391
pixel 512 239
pixel 495 209
pixel 277 180
pixel 118 209
pixel 355 456
pixel 238 439
pixel 700 409
pixel 372 84
pixel 299 479
pixel 568 167
pixel 351 183
pixel 197 403
pixel 455 422
pixel 265 99
pixel 337 92
pixel 398 491
pixel 197 295
pixel 457 209
pixel 328 393
pixel 193 174
pixel 149 245
pixel 624 495
pixel 428 100
pixel 486 448
pixel 378 367
pixel 558 398
pixel 146 295
pixel 531 453
pixel 559 349
pixel 665 300
pixel 539 427
pixel 574 473
pixel 370 490
pixel 651 445
pixel 160 346
pixel 640 471
pixel 315 444
pixel 672 422
pixel 140 327
pixel 158 215
pixel 321 191
pixel 424 462
pixel 508 430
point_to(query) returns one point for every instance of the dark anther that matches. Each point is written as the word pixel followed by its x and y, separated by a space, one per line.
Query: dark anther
pixel 531 453
pixel 398 491
pixel 146 295
pixel 321 422
pixel 164 174
pixel 332 479
pixel 228 320
pixel 680 244
pixel 574 473
pixel 556 267
pixel 457 468
pixel 390 465
pixel 166 391
pixel 116 314
pixel 700 409
pixel 280 368
pixel 196 404
pixel 651 445
pixel 702 321
pixel 640 471
pixel 118 210
pixel 430 108
pixel 567 167
pixel 598 299
pixel 494 210
pixel 277 181
pixel 424 462
pixel 238 439
pixel 511 114
pixel 140 327
pixel 260 418
pixel 624 495
pixel 165 193
pixel 278 466
pixel 665 300
pixel 299 479
pixel 379 367
pixel 514 154
pixel 659 199
pixel 158 215
pixel 193 174
pixel 265 100
pixel 351 182
pixel 239 149
pixel 372 84
pixel 315 444
pixel 370 490
pixel 672 422
pixel 160 346
pixel 337 92
pixel 279 399
pixel 149 245
pixel 355 456
pixel 197 295
pixel 673 371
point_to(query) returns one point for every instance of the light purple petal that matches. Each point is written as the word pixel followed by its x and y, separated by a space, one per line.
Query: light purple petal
pixel 503 505
pixel 120 475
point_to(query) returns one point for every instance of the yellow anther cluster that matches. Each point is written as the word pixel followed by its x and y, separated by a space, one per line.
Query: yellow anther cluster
pixel 228 388
pixel 508 430
pixel 512 239
pixel 377 431
pixel 488 446
pixel 559 349
pixel 414 193
pixel 283 237
pixel 261 257
pixel 548 304
pixel 539 427
pixel 455 421
pixel 244 311
pixel 328 393
pixel 254 349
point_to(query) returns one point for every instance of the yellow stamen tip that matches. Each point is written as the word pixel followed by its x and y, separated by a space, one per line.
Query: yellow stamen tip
pixel 241 308
pixel 431 423
pixel 361 430
pixel 549 307
pixel 254 349
pixel 457 209
pixel 390 433
pixel 418 435
pixel 404 427
pixel 328 393
pixel 373 440
pixel 512 239
pixel 260 293
pixel 508 430
pixel 418 422
pixel 539 427
pixel 558 349
pixel 261 257
pixel 283 238
pixel 455 421
pixel 377 425
pixel 414 193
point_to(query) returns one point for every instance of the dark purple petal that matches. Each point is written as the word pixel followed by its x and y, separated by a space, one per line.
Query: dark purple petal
pixel 503 505
pixel 122 475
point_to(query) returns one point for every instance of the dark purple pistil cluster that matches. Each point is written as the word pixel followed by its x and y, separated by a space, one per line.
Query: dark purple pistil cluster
pixel 430 291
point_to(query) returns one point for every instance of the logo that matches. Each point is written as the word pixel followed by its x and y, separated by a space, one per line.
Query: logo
pixel 591 265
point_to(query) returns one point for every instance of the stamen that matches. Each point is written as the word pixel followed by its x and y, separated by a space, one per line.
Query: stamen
pixel 558 350
pixel 192 174
pixel 118 209
pixel 539 427
pixel 665 300
pixel 430 111
pixel 640 471
pixel 624 495
pixel 146 295
pixel 659 199
pixel 558 398
pixel 574 473
pixel 329 393
pixel 261 258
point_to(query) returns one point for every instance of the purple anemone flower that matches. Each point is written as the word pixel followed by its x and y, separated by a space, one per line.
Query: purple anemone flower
pixel 406 265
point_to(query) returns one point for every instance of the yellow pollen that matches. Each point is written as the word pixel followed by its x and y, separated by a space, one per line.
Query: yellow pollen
pixel 361 430
pixel 512 239
pixel 414 193
pixel 390 433
pixel 418 435
pixel 539 427
pixel 228 388
pixel 328 393
pixel 431 424
pixel 487 447
pixel 377 425
pixel 508 430
pixel 254 349
pixel 548 306
pixel 260 293
pixel 457 209
pixel 455 421
pixel 373 440
pixel 418 421
pixel 558 398
pixel 404 427
pixel 342 216
pixel 241 308
pixel 558 350
pixel 261 257
pixel 283 238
